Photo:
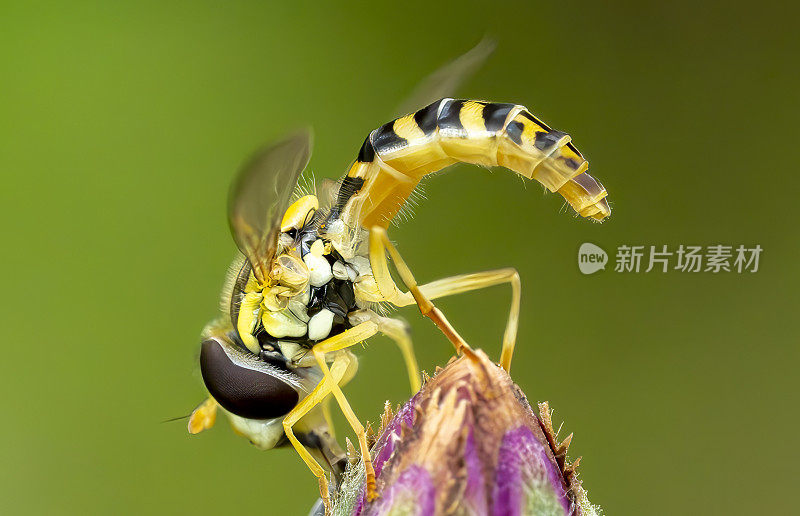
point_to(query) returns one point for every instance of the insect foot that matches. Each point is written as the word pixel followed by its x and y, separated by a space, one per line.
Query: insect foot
pixel 467 443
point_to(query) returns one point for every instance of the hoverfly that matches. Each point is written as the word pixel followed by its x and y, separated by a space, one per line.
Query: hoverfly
pixel 314 268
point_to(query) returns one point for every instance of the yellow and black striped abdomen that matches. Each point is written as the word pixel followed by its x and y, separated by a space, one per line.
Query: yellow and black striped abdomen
pixel 397 155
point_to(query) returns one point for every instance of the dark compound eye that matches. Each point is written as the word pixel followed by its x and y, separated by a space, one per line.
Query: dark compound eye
pixel 243 385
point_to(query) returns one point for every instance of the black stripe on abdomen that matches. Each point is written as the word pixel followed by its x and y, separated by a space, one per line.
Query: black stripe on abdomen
pixel 426 118
pixel 384 139
pixel 545 140
pixel 450 118
pixel 367 152
pixel 494 115
pixel 527 114
pixel 541 124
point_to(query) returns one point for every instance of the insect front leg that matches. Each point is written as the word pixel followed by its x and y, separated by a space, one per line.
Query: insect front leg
pixel 332 376
pixel 344 362
pixel 340 369
pixel 345 359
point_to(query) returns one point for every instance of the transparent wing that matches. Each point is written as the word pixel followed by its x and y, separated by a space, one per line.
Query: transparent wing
pixel 260 195
pixel 445 81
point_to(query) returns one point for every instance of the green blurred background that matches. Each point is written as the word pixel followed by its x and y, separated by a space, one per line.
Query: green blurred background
pixel 121 125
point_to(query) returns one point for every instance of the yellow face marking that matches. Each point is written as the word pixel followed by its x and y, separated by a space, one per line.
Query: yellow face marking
pixel 471 117
pixel 298 212
pixel 247 320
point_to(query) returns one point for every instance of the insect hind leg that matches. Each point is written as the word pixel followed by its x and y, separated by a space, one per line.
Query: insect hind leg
pixel 379 244
pixel 476 281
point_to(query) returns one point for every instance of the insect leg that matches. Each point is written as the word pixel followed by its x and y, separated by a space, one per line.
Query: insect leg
pixel 341 367
pixel 340 342
pixel 398 331
pixel 343 361
pixel 475 281
pixel 317 396
pixel 326 413
pixel 379 243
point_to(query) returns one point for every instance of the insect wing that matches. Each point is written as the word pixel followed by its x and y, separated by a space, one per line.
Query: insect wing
pixel 445 81
pixel 261 194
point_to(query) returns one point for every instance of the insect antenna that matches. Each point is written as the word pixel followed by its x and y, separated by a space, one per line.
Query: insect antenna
pixel 173 419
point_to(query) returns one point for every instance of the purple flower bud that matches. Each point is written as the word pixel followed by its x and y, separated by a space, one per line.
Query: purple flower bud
pixel 468 443
pixel 526 481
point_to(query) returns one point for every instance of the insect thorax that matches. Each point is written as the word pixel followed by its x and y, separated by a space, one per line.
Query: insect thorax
pixel 286 319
